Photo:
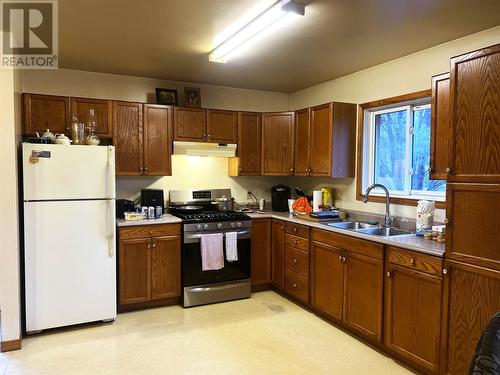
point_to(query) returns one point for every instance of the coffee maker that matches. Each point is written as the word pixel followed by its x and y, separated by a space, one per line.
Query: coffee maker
pixel 280 194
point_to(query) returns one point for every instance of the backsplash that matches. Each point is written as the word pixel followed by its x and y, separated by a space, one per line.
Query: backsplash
pixel 198 172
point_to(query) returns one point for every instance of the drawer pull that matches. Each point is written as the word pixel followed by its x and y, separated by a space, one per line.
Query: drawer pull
pixel 294 260
pixel 294 242
pixel 154 245
pixel 149 246
pixel 294 285
pixel 412 261
pixel 282 228
pixel 151 231
pixel 388 274
pixel 445 271
pixel 295 230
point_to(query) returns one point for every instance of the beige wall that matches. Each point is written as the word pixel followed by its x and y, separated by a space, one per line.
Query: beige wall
pixel 187 172
pixel 9 220
pixel 405 75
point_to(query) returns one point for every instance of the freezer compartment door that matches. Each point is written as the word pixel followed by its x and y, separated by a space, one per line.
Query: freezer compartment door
pixel 70 263
pixel 52 172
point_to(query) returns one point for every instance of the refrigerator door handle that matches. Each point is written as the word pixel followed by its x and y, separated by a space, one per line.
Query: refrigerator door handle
pixel 111 172
pixel 111 242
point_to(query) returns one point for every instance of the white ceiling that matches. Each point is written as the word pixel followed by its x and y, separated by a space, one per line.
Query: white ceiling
pixel 171 39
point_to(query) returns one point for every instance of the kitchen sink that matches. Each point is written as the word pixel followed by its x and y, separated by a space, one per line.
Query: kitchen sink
pixel 353 225
pixel 383 231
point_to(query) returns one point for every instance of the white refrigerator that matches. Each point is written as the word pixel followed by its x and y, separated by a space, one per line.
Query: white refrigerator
pixel 69 234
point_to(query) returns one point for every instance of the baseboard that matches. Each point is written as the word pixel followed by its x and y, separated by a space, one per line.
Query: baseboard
pixel 261 287
pixel 7 346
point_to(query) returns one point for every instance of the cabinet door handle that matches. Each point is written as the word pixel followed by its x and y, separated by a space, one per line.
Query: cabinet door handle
pixel 208 136
pixel 291 170
pixel 294 260
pixel 282 228
pixel 294 230
pixel 154 245
pixel 149 245
pixel 446 220
pixel 412 261
pixel 146 169
pixel 294 285
pixel 445 271
pixel 388 274
pixel 240 169
pixel 294 242
pixel 343 259
pixel 448 171
pixel 141 169
pixel 150 231
pixel 340 258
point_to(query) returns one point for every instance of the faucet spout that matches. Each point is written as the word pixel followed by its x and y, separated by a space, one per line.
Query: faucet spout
pixel 387 201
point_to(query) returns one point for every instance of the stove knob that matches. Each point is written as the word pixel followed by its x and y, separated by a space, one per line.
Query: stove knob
pixel 233 225
pixel 198 226
pixel 205 226
pixel 238 224
pixel 219 225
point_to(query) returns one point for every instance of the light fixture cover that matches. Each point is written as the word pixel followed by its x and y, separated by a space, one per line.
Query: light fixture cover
pixel 261 22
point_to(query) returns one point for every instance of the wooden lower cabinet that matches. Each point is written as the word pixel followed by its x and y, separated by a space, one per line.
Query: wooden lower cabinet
pixel 278 254
pixel 471 298
pixel 166 267
pixel 134 270
pixel 363 293
pixel 327 279
pixel 261 252
pixel 149 263
pixel 413 315
pixel 347 281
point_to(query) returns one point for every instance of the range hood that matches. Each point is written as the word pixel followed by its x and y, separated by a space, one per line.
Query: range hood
pixel 205 149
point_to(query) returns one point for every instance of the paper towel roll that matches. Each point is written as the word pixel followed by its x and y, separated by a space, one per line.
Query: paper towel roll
pixel 317 200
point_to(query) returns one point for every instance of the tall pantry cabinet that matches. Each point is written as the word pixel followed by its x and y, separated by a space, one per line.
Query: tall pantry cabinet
pixel 472 266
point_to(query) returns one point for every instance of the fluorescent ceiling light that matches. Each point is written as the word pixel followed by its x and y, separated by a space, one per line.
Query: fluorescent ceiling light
pixel 270 16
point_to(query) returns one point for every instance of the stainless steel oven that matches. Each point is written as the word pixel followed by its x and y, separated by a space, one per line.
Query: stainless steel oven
pixel 230 282
pixel 195 208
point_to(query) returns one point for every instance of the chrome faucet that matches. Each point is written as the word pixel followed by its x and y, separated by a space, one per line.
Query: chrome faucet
pixel 387 201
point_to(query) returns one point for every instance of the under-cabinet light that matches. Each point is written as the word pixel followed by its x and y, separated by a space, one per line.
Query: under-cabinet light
pixel 278 11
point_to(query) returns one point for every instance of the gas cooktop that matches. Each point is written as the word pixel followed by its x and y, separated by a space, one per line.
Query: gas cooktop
pixel 211 216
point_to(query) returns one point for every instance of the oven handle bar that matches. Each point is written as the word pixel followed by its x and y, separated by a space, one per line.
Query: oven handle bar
pixel 193 238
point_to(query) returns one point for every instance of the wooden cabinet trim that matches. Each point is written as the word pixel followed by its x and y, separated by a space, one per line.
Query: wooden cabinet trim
pixel 372 249
pixel 297 229
pixel 413 260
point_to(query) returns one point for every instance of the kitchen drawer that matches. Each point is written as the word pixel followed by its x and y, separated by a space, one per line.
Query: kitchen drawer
pixel 298 242
pixel 297 261
pixel 297 229
pixel 141 231
pixel 417 261
pixel 297 286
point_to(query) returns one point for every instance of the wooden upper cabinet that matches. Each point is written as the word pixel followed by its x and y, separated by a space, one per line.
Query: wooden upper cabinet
pixel 249 146
pixel 128 138
pixel 278 254
pixel 471 298
pixel 302 142
pixel 261 252
pixel 325 140
pixel 222 126
pixel 473 215
pixel 42 112
pixel 440 127
pixel 327 279
pixel 165 267
pixel 134 270
pixel 190 124
pixel 157 140
pixel 475 116
pixel 363 294
pixel 413 299
pixel 278 143
pixel 321 141
pixel 103 110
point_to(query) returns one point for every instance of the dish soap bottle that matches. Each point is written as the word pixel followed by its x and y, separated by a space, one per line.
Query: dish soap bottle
pixel 91 138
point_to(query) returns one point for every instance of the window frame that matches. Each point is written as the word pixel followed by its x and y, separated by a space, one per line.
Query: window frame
pixel 365 145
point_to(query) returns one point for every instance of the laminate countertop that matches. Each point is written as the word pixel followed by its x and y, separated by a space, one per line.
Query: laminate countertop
pixel 409 241
pixel 165 219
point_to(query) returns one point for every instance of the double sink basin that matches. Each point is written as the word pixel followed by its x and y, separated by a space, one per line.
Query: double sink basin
pixel 371 229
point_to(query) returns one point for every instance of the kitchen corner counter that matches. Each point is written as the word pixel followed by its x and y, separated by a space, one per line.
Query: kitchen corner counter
pixel 410 242
pixel 165 219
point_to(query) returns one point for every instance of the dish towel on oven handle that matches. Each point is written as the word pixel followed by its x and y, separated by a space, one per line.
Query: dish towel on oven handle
pixel 212 251
pixel 231 246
